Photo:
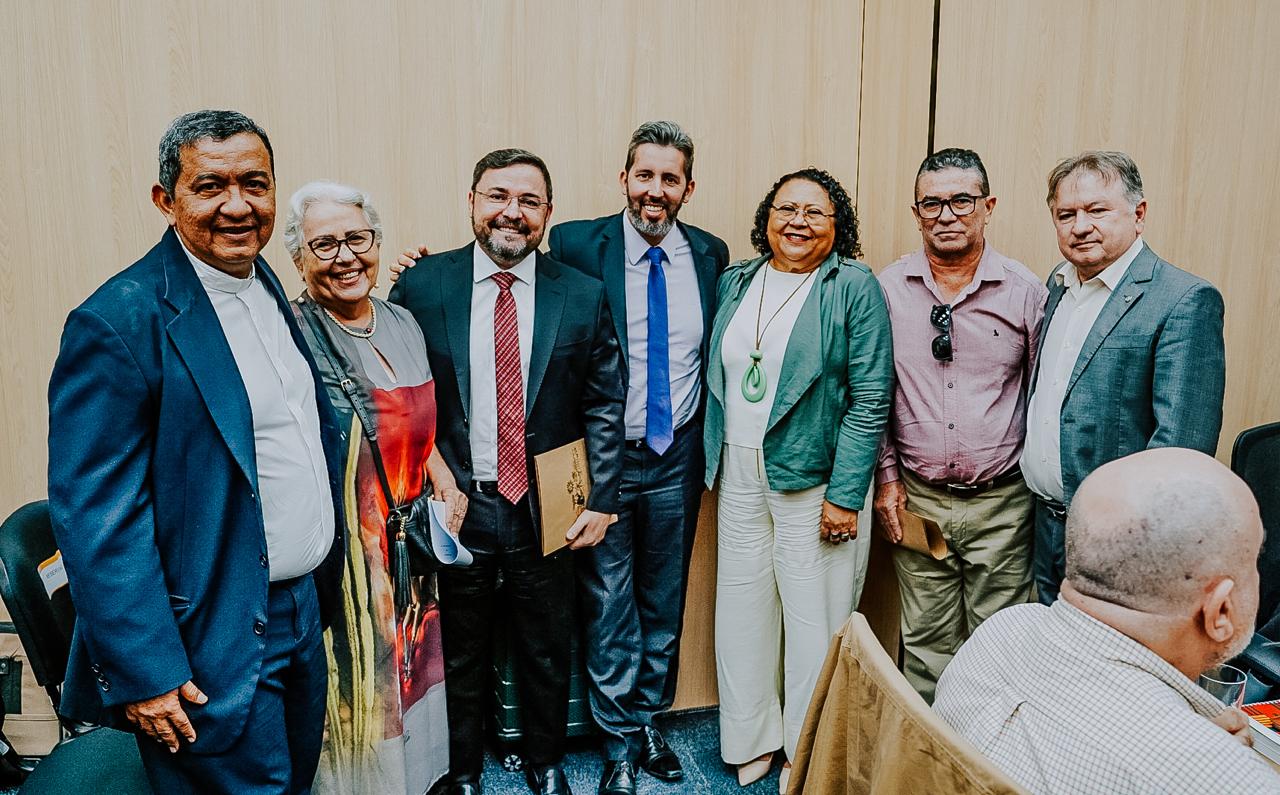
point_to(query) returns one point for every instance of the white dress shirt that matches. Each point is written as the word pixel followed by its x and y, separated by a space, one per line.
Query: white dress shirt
pixel 293 478
pixel 684 327
pixel 1063 703
pixel 484 383
pixel 745 422
pixel 1071 323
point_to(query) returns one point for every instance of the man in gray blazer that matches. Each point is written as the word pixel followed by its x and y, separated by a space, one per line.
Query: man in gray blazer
pixel 1131 351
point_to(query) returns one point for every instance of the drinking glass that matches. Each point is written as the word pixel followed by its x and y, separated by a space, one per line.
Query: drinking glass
pixel 1225 683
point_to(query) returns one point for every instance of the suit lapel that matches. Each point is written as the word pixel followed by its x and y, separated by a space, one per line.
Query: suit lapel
pixel 197 335
pixel 613 272
pixel 1056 291
pixel 456 282
pixel 548 306
pixel 1122 299
pixel 705 265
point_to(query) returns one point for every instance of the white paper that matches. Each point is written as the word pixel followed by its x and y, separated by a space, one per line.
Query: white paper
pixel 54 573
pixel 449 551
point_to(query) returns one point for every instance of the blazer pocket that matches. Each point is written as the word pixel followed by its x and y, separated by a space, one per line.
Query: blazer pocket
pixel 1126 341
pixel 571 347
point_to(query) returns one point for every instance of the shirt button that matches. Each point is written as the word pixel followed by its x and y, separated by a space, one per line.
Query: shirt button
pixel 259 628
pixel 954 465
pixel 950 385
pixel 951 425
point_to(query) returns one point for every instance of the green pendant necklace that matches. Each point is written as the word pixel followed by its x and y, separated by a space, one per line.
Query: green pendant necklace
pixel 755 382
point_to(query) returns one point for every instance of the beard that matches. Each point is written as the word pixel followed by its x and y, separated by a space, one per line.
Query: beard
pixel 502 250
pixel 655 229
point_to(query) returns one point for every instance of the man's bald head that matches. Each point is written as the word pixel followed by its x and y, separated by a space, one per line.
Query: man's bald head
pixel 1153 530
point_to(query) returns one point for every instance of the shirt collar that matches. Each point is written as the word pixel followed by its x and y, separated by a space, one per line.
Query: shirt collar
pixel 1110 276
pixel 219 280
pixel 482 266
pixel 638 247
pixel 989 268
pixel 1124 649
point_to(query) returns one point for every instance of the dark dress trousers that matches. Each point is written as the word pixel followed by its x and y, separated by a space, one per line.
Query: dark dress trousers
pixel 153 492
pixel 1151 373
pixel 574 391
pixel 633 584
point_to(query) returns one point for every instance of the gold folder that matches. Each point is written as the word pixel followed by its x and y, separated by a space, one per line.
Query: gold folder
pixel 922 535
pixel 564 485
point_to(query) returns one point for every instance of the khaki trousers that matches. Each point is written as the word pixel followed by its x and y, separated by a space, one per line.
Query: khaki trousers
pixel 781 594
pixel 987 567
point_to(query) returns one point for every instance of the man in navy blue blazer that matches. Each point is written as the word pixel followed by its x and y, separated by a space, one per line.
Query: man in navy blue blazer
pixel 194 489
pixel 660 282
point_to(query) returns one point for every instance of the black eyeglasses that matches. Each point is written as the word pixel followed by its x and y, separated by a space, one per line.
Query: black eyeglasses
pixel 327 247
pixel 940 317
pixel 960 204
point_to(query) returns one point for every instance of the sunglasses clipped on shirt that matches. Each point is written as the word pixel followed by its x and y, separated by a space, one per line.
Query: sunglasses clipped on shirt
pixel 940 317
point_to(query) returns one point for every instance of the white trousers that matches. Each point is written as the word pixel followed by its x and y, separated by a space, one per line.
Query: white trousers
pixel 781 594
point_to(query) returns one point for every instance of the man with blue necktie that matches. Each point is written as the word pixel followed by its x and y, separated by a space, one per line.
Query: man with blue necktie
pixel 660 284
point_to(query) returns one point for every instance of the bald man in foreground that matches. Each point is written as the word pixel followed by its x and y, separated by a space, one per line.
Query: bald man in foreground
pixel 1097 692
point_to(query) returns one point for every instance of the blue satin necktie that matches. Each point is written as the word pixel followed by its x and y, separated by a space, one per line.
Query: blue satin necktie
pixel 657 425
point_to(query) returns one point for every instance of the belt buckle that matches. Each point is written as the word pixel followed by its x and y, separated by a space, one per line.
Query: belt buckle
pixel 964 489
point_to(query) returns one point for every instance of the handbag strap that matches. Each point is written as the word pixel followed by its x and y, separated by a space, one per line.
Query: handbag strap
pixel 349 388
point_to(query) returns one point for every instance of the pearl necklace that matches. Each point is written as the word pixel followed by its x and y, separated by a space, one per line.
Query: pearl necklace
pixel 364 333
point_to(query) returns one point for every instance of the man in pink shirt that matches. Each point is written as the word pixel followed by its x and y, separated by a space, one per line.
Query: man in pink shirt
pixel 966 323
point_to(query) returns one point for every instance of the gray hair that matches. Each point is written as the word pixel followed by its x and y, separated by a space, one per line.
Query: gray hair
pixel 662 133
pixel 1109 165
pixel 963 159
pixel 191 127
pixel 325 191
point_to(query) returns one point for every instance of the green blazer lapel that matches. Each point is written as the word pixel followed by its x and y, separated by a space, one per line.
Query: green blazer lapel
pixel 1126 295
pixel 732 285
pixel 548 306
pixel 803 362
pixel 456 282
pixel 613 272
pixel 197 334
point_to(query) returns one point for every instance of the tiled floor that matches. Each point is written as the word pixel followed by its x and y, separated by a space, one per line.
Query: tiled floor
pixel 694 736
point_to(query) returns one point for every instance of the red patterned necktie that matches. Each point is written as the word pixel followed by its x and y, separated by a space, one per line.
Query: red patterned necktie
pixel 513 472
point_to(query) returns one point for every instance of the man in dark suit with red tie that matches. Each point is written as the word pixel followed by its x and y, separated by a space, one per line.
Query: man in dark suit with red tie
pixel 525 360
pixel 660 282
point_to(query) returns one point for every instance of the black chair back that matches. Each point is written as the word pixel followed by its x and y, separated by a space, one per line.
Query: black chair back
pixel 1256 459
pixel 43 621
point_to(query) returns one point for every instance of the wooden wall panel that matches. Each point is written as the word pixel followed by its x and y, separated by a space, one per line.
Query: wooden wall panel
pixel 400 98
pixel 894 135
pixel 1187 89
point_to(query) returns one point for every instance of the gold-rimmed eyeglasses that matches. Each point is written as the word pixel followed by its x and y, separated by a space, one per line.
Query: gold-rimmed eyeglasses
pixel 813 216
pixel 501 199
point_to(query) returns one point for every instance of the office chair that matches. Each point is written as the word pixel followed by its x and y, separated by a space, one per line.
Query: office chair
pixel 87 759
pixel 1255 457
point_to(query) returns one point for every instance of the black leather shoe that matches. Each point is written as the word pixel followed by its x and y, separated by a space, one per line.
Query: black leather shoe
pixel 656 757
pixel 619 779
pixel 547 780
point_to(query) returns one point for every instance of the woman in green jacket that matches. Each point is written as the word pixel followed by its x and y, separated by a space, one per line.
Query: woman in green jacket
pixel 800 375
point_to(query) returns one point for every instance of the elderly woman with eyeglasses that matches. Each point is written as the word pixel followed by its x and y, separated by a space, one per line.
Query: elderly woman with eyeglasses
pixel 384 647
pixel 800 374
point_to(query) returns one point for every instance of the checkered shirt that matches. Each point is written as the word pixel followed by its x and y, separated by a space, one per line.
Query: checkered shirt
pixel 1063 703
